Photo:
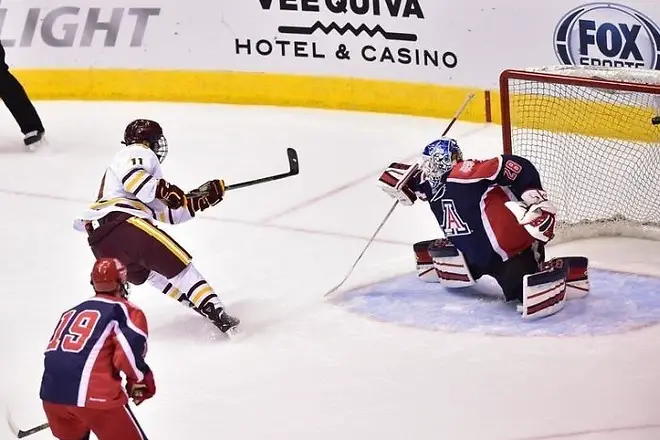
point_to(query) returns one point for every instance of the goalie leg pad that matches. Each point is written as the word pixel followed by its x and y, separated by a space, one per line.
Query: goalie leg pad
pixel 544 293
pixel 577 279
pixel 425 270
pixel 438 261
pixel 577 282
pixel 450 265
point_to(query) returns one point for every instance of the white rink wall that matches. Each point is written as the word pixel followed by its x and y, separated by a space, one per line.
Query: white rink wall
pixel 474 40
pixel 351 54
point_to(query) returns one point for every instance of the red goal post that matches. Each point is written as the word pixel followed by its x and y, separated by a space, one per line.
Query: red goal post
pixel 590 131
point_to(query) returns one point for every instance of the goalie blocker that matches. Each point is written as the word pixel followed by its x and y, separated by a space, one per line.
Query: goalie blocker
pixel 544 293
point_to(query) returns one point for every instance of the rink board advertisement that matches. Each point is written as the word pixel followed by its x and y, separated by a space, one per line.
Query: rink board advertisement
pixel 431 48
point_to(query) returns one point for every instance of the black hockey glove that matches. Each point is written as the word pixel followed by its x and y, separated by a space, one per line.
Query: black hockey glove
pixel 207 195
pixel 170 194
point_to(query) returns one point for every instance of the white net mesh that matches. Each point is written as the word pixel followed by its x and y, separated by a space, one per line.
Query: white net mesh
pixel 596 149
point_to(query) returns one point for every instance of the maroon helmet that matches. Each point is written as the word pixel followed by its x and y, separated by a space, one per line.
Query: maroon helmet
pixel 148 132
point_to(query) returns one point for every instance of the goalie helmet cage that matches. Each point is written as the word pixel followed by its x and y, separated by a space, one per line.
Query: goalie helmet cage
pixel 590 133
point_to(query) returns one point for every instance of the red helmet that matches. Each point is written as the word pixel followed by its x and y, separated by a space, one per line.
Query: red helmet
pixel 149 132
pixel 109 276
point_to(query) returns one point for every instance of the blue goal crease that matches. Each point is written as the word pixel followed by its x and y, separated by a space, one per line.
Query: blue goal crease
pixel 617 303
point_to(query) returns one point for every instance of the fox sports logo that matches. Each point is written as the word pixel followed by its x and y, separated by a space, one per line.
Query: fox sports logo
pixel 608 34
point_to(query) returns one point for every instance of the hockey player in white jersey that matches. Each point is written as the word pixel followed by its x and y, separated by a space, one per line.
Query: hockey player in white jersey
pixel 120 224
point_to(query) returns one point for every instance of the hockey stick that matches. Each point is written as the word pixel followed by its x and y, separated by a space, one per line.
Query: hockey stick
pixel 292 155
pixel 20 433
pixel 396 202
pixel 293 170
pixel 655 120
pixel 389 213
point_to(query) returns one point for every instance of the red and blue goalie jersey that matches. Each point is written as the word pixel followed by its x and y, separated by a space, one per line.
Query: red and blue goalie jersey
pixel 90 346
pixel 471 211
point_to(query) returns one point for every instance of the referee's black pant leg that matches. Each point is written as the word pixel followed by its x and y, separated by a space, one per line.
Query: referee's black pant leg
pixel 17 101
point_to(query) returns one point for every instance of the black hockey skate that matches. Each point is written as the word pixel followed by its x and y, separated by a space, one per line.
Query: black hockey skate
pixel 226 323
pixel 33 139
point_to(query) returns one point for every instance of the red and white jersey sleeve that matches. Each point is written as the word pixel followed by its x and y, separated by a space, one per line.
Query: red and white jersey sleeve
pixel 513 172
pixel 472 171
pixel 130 336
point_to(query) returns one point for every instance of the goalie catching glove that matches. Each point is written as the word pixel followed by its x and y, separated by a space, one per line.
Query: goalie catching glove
pixel 536 213
pixel 395 182
pixel 207 195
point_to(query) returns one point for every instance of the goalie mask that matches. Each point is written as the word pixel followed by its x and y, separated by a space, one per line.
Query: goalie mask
pixel 438 159
pixel 147 132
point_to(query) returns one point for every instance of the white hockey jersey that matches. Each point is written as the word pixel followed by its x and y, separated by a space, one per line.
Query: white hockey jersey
pixel 129 185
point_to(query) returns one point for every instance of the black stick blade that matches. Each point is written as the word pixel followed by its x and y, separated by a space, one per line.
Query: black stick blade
pixel 29 432
pixel 293 160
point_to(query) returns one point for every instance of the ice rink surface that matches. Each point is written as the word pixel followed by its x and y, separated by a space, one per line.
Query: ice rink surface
pixel 307 368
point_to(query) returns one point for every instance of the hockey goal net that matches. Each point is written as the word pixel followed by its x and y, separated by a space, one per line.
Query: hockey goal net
pixel 594 135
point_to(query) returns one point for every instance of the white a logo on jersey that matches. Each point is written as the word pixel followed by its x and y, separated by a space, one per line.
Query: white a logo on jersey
pixel 453 223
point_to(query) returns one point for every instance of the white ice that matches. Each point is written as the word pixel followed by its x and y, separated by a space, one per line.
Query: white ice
pixel 306 369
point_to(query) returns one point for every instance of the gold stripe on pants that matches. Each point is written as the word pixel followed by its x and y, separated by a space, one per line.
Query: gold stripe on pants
pixel 159 235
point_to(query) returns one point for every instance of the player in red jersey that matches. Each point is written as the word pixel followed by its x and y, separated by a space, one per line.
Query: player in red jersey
pixel 92 344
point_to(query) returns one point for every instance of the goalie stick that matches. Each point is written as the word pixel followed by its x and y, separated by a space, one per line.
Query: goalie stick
pixel 396 202
pixel 292 155
pixel 18 433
